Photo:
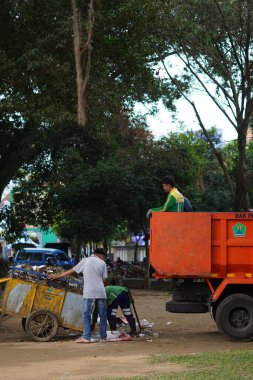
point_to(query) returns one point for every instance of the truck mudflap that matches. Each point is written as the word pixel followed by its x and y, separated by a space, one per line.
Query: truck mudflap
pixel 186 307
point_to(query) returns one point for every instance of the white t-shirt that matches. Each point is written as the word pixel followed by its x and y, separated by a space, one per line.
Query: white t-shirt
pixel 94 272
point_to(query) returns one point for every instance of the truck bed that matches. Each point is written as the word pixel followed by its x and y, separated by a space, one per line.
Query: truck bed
pixel 202 245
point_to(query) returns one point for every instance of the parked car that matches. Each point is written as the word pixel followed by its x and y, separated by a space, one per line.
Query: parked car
pixel 43 256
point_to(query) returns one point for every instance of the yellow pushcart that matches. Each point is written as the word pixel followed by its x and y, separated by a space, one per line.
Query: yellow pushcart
pixel 42 306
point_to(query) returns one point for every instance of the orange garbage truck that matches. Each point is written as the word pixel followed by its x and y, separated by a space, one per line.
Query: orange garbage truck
pixel 209 257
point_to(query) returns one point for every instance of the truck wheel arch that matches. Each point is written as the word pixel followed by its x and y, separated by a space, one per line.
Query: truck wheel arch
pixel 229 290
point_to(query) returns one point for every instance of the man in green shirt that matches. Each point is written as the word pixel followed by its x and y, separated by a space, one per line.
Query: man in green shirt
pixel 117 296
pixel 174 201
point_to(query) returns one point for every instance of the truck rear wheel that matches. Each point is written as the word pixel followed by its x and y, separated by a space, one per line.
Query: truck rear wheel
pixel 42 325
pixel 234 317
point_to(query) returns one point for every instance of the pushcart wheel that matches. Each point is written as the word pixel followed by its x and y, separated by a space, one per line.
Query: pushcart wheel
pixel 42 325
pixel 23 324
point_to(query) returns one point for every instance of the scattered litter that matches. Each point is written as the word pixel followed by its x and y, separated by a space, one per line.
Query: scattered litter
pixel 112 336
pixel 144 323
pixel 120 333
pixel 149 340
pixel 168 323
pixel 116 336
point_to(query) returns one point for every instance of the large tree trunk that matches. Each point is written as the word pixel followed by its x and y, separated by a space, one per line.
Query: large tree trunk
pixel 105 245
pixel 241 200
pixel 76 248
pixel 147 268
pixel 82 59
pixel 143 223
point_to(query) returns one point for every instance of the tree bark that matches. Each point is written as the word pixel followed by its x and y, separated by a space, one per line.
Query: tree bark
pixel 105 245
pixel 82 59
pixel 146 239
pixel 76 248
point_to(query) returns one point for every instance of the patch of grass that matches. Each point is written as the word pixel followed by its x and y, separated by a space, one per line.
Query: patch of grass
pixel 228 365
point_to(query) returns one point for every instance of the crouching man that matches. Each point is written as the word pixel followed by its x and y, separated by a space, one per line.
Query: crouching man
pixel 118 296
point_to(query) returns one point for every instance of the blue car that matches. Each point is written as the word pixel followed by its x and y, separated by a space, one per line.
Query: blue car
pixel 42 256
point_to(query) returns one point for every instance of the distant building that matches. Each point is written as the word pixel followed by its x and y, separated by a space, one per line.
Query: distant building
pixel 41 236
pixel 126 252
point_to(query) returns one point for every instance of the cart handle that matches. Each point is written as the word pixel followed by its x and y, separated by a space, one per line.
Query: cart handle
pixel 4 279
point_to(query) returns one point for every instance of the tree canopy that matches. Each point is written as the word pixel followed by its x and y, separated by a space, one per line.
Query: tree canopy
pixel 85 197
pixel 213 40
pixel 60 169
pixel 37 73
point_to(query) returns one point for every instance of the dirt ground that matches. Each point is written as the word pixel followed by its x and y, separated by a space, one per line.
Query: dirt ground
pixel 62 359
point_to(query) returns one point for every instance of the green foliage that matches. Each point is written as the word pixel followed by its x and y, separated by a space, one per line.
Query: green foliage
pixel 86 183
pixel 87 192
pixel 31 74
pixel 216 195
pixel 212 40
pixel 37 72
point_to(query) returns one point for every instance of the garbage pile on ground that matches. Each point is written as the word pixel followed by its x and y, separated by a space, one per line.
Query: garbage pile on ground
pixel 112 336
pixel 126 270
pixel 146 332
pixel 38 274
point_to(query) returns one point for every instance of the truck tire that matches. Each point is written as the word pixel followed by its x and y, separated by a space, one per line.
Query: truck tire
pixel 186 307
pixel 42 325
pixel 234 317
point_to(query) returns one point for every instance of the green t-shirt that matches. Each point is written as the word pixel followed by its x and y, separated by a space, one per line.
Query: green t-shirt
pixel 174 202
pixel 113 291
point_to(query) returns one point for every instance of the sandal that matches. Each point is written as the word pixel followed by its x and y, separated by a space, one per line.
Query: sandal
pixel 82 340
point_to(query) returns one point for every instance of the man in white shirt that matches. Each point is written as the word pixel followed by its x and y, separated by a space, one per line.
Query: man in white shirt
pixel 94 274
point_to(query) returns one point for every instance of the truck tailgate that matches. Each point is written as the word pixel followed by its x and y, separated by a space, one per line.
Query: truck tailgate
pixel 181 244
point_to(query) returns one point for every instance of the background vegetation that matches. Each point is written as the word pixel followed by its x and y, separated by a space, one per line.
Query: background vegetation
pixel 90 182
